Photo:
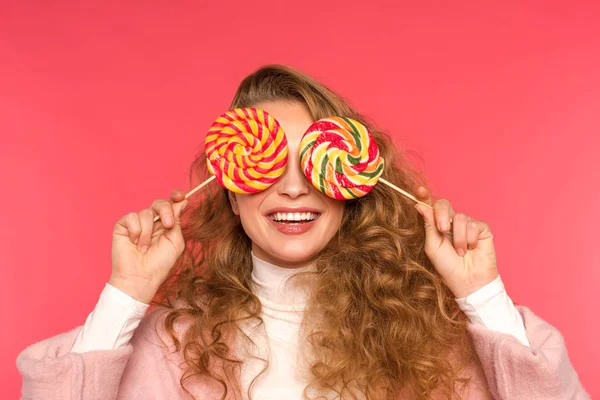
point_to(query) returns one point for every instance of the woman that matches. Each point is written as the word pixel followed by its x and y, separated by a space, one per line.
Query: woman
pixel 389 299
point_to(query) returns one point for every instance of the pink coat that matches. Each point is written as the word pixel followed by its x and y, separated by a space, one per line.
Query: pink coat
pixel 143 370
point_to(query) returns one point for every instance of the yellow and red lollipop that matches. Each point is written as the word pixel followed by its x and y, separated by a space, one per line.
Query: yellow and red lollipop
pixel 246 150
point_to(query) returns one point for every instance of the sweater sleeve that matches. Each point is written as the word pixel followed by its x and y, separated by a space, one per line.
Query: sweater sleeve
pixel 112 322
pixel 138 370
pixel 491 307
pixel 51 371
pixel 515 371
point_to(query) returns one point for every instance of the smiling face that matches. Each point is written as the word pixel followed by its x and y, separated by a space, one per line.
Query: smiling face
pixel 291 221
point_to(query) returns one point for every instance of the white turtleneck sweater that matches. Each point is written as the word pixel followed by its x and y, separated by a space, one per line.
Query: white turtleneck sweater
pixel 116 316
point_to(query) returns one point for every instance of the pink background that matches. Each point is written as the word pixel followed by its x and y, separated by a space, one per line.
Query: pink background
pixel 103 107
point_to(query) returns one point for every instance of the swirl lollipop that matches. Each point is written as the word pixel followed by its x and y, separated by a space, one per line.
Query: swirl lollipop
pixel 341 158
pixel 246 151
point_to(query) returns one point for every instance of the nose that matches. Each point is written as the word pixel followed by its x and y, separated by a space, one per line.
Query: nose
pixel 292 182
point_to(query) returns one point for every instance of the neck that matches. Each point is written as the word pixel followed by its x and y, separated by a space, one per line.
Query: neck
pixel 273 283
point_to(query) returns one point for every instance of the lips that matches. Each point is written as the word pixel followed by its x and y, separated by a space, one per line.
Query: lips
pixel 293 221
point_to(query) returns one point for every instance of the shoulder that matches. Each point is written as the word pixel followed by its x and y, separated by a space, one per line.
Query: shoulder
pixel 467 368
pixel 161 351
pixel 159 330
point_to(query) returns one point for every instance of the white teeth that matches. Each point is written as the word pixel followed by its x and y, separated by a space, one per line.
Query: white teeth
pixel 306 216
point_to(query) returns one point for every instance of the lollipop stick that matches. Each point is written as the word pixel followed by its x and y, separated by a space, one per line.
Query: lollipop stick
pixel 410 196
pixel 191 192
pixel 200 186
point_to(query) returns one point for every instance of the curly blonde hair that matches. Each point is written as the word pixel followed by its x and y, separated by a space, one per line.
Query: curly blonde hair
pixel 380 315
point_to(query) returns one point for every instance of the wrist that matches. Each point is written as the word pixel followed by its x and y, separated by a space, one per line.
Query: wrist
pixel 466 287
pixel 141 290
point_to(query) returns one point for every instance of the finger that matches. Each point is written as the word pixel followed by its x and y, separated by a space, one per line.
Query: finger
pixel 460 233
pixel 424 195
pixel 432 233
pixel 444 214
pixel 177 196
pixel 164 210
pixel 147 223
pixel 178 209
pixel 133 226
pixel 175 234
pixel 472 235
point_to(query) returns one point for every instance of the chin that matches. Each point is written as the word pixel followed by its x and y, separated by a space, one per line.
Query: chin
pixel 290 253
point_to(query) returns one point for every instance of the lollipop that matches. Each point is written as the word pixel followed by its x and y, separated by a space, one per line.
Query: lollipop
pixel 246 151
pixel 341 158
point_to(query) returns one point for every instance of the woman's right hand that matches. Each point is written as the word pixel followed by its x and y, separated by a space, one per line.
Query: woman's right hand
pixel 143 251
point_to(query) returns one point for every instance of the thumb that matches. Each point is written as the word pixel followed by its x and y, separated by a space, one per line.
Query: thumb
pixel 431 229
pixel 178 210
pixel 184 204
pixel 175 232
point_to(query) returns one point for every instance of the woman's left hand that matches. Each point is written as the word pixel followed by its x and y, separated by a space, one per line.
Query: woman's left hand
pixel 460 248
